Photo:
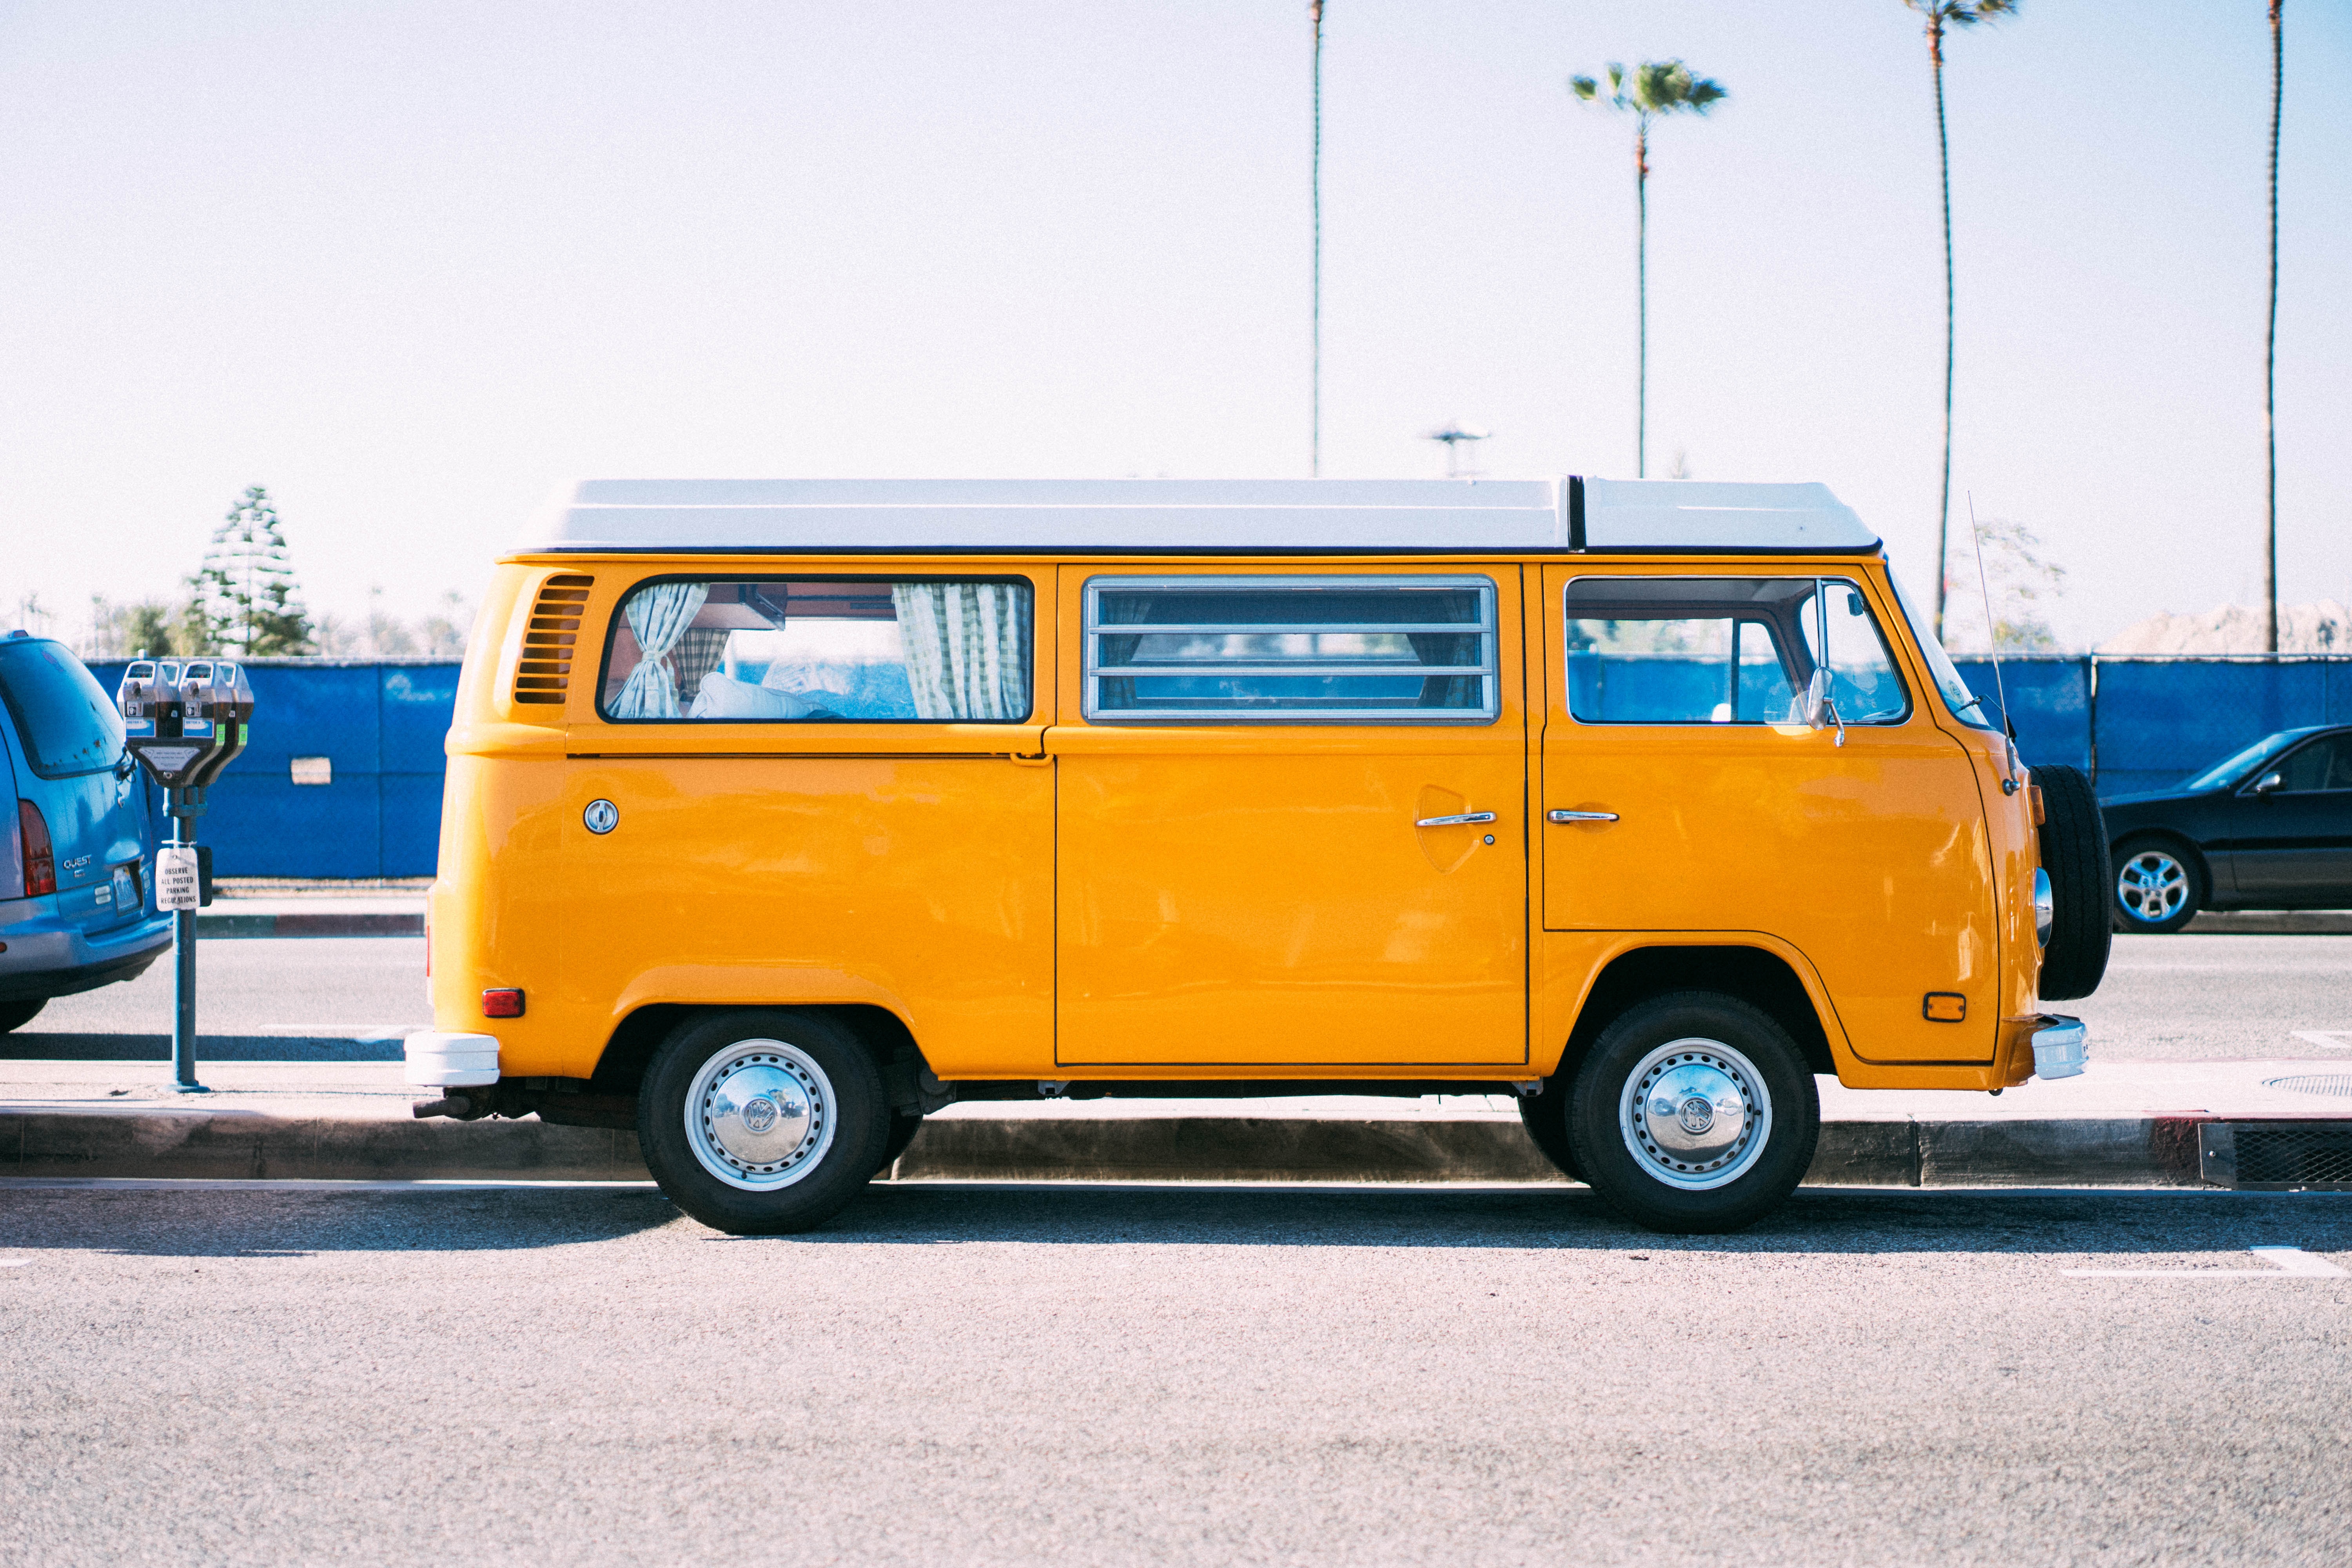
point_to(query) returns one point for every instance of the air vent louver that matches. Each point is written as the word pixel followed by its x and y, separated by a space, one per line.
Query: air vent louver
pixel 544 672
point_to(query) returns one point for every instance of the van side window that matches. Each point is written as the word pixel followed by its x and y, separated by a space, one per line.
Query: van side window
pixel 1215 650
pixel 1723 650
pixel 817 649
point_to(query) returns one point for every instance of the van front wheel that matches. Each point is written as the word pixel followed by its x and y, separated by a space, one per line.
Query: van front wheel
pixel 762 1121
pixel 1695 1113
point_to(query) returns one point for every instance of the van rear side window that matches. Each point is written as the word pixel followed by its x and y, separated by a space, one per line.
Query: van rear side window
pixel 811 650
pixel 1363 650
pixel 65 720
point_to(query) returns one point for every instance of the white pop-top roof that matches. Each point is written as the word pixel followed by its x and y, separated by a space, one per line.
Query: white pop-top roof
pixel 1145 516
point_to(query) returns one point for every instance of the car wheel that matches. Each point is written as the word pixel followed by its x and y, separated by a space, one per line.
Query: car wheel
pixel 1695 1113
pixel 762 1122
pixel 904 1125
pixel 2159 886
pixel 17 1015
pixel 2073 844
pixel 1545 1116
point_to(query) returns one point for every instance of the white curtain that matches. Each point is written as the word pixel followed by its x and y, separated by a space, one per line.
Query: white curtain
pixel 967 648
pixel 660 616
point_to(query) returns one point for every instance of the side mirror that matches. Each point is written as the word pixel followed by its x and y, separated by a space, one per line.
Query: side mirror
pixel 2269 782
pixel 1815 702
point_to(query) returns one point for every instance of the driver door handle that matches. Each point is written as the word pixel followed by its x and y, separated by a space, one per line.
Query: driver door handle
pixel 1579 816
pixel 1466 819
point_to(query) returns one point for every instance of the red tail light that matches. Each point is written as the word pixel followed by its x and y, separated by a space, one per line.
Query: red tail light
pixel 40 860
pixel 502 1002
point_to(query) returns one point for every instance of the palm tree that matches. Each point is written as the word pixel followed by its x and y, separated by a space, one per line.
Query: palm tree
pixel 1315 202
pixel 1656 89
pixel 1942 14
pixel 2270 345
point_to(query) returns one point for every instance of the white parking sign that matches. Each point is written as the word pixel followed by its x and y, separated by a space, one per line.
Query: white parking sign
pixel 175 877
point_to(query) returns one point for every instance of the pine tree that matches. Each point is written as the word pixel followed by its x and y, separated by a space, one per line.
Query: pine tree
pixel 244 599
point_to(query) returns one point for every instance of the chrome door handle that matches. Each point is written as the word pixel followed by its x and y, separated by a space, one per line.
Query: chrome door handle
pixel 1579 816
pixel 1466 819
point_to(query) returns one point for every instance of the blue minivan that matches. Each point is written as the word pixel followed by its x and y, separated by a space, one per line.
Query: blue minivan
pixel 77 850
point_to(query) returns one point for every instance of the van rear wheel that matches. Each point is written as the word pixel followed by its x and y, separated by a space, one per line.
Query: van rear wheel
pixel 1695 1113
pixel 762 1121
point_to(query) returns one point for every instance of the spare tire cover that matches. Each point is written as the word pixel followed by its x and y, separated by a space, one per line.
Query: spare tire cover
pixel 2074 853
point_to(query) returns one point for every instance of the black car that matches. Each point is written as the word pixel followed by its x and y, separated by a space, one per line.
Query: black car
pixel 2269 828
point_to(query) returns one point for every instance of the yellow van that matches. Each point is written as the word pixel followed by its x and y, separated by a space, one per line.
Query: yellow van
pixel 783 813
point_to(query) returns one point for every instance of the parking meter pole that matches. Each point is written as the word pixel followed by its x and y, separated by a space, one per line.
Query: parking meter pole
pixel 184 721
pixel 184 806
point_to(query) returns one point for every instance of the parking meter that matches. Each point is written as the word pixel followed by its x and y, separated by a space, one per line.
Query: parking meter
pixel 184 721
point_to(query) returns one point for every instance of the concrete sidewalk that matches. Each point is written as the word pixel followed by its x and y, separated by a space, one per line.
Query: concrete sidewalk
pixel 353 914
pixel 2120 1123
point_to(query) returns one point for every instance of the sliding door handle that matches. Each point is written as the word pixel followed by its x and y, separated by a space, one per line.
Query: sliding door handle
pixel 1466 819
pixel 1580 815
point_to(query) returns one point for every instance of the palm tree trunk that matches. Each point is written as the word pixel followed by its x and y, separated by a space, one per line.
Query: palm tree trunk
pixel 2269 349
pixel 1315 374
pixel 1944 157
pixel 1642 301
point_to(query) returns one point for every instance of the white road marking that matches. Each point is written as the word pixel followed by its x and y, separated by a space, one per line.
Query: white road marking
pixel 15 1262
pixel 2328 1039
pixel 2286 1263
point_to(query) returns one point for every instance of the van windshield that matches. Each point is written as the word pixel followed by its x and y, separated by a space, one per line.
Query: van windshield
pixel 64 721
pixel 1965 705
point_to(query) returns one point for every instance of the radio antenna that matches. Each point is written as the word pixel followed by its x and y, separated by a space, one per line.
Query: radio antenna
pixel 1992 641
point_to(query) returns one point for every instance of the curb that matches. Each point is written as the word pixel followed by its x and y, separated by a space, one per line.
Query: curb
pixel 210 923
pixel 182 1143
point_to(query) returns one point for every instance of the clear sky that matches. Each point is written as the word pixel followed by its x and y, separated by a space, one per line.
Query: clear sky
pixel 411 265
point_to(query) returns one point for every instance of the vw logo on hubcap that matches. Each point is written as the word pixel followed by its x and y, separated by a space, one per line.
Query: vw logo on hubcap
pixel 1697 1115
pixel 759 1114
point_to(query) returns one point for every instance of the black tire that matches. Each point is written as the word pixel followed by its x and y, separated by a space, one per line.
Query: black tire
pixel 1545 1116
pixel 1755 1173
pixel 809 1178
pixel 2082 885
pixel 17 1015
pixel 904 1125
pixel 2152 862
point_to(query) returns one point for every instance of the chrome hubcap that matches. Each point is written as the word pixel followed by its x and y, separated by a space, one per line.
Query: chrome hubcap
pixel 1696 1114
pixel 760 1115
pixel 2152 886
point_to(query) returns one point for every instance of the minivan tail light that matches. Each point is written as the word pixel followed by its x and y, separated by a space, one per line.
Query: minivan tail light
pixel 502 1002
pixel 40 857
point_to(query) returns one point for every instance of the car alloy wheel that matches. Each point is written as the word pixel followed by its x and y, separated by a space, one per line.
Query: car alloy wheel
pixel 2152 886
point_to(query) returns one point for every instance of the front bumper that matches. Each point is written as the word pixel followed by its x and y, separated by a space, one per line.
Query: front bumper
pixel 437 1060
pixel 50 955
pixel 2061 1046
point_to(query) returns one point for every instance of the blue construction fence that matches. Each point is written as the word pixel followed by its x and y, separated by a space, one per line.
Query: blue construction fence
pixel 2145 724
pixel 2132 723
pixel 377 723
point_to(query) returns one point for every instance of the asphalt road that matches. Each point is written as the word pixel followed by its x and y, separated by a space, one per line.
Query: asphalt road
pixel 350 998
pixel 265 998
pixel 1054 1374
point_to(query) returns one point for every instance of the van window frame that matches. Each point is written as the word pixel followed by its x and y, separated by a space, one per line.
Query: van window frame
pixel 1487 628
pixel 615 620
pixel 1820 578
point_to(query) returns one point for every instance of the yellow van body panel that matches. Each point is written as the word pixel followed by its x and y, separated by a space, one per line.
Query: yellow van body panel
pixel 1057 898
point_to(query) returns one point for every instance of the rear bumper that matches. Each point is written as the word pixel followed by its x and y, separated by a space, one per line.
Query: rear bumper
pixel 437 1060
pixel 50 955
pixel 2061 1046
